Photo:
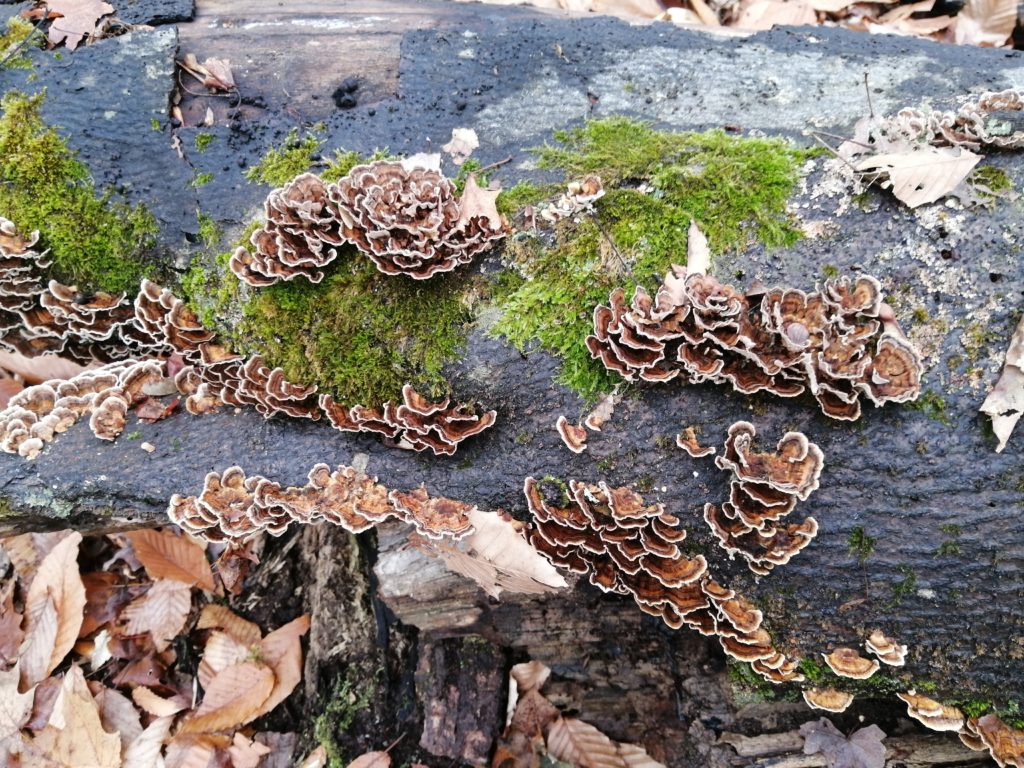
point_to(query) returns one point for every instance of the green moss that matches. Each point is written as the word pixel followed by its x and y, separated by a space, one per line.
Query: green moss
pixel 987 179
pixel 202 179
pixel 17 31
pixel 133 435
pixel 905 586
pixel 203 141
pixel 154 123
pixel 830 271
pixel 340 165
pixel 976 337
pixel 860 544
pixel 209 232
pixel 735 188
pixel 525 193
pixel 348 698
pixel 933 405
pixel 96 243
pixel 359 334
pixel 951 529
pixel 920 315
pixel 947 548
pixel 282 164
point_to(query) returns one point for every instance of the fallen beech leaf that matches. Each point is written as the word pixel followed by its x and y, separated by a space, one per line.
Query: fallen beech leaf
pixel 215 616
pixel 985 22
pixel 57 582
pixel 1005 403
pixel 533 714
pixel 151 410
pixel 246 753
pixel 219 76
pixel 922 175
pixel 100 653
pixel 27 551
pixel 10 626
pixel 698 254
pixel 636 757
pixel 117 714
pixel 105 596
pixel 235 697
pixel 74 737
pixel 78 18
pixel 282 651
pixel 464 141
pixel 47 693
pixel 162 612
pixel 221 651
pixel 864 748
pixel 497 557
pixel 15 707
pixel 194 750
pixel 372 760
pixel 765 14
pixel 282 749
pixel 477 201
pixel 530 675
pixel 315 759
pixel 168 556
pixel 144 750
pixel 155 704
pixel 37 648
pixel 36 370
pixel 578 743
pixel 233 565
pixel 143 671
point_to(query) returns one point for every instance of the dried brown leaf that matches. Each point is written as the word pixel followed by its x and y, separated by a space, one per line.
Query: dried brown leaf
pixel 37 648
pixel 221 651
pixel 372 760
pixel 215 616
pixel 863 749
pixel 47 693
pixel 28 550
pixel 581 744
pixel 155 704
pixel 698 253
pixel 57 583
pixel 194 750
pixel 985 22
pixel 921 175
pixel 477 201
pixel 117 714
pixel 1005 403
pixel 78 19
pixel 282 651
pixel 166 555
pixel 162 612
pixel 144 750
pixel 219 76
pixel 765 14
pixel 36 370
pixel 74 737
pixel 235 697
pixel 636 756
pixel 10 626
pixel 530 675
pixel 150 410
pixel 15 707
pixel 497 557
pixel 246 753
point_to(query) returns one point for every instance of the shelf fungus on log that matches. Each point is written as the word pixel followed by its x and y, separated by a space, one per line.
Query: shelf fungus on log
pixel 936 716
pixel 977 123
pixel 765 489
pixel 34 416
pixel 573 435
pixel 828 699
pixel 406 218
pixel 627 547
pixel 417 424
pixel 886 649
pixel 687 440
pixel 846 662
pixel 300 237
pixel 233 507
pixel 1005 744
pixel 838 343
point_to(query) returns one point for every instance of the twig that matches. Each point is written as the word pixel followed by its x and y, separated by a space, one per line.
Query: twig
pixel 24 40
pixel 841 138
pixel 867 90
pixel 831 149
pixel 492 166
pixel 611 242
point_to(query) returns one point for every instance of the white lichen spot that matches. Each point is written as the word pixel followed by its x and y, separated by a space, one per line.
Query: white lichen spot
pixel 467 53
pixel 109 114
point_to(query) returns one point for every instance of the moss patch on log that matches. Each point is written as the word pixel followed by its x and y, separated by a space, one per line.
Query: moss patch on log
pixel 13 43
pixel 656 182
pixel 97 242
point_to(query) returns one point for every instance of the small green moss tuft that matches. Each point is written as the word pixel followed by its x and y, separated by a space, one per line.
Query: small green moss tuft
pixel 830 271
pixel 511 201
pixel 135 435
pixel 282 164
pixel 340 165
pixel 17 32
pixel 861 545
pixel 348 698
pixel 154 123
pixel 989 181
pixel 933 405
pixel 202 179
pixel 96 243
pixel 920 315
pixel 735 188
pixel 209 232
pixel 947 548
pixel 905 586
pixel 203 141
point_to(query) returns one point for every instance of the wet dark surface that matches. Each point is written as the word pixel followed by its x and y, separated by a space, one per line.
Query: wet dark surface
pixel 154 12
pixel 898 474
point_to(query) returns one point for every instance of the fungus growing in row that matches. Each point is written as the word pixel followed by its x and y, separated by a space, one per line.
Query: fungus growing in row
pixel 828 699
pixel 765 488
pixel 234 507
pixel 938 717
pixel 1005 744
pixel 300 237
pixel 832 343
pixel 406 218
pixel 886 649
pixel 846 662
pixel 628 547
pixel 417 424
pixel 573 435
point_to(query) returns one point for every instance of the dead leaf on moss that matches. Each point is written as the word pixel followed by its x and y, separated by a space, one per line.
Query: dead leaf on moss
pixel 165 555
pixel 863 749
pixel 1005 403
pixel 921 175
pixel 477 201
pixel 78 19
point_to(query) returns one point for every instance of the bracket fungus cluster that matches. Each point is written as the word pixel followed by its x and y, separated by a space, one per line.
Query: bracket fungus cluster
pixel 977 123
pixel 406 216
pixel 34 416
pixel 887 650
pixel 40 316
pixel 233 507
pixel 417 424
pixel 837 343
pixel 627 547
pixel 764 490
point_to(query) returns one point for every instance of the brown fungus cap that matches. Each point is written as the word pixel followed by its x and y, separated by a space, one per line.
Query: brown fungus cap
pixel 1005 744
pixel 687 440
pixel 406 218
pixel 846 662
pixel 828 699
pixel 300 237
pixel 573 435
pixel 434 517
pixel 886 649
pixel 780 340
pixel 93 317
pixel 794 467
pixel 931 713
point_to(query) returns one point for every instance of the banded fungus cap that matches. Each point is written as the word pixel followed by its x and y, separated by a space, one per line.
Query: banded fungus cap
pixel 886 649
pixel 846 662
pixel 828 699
pixel 931 713
pixel 573 435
